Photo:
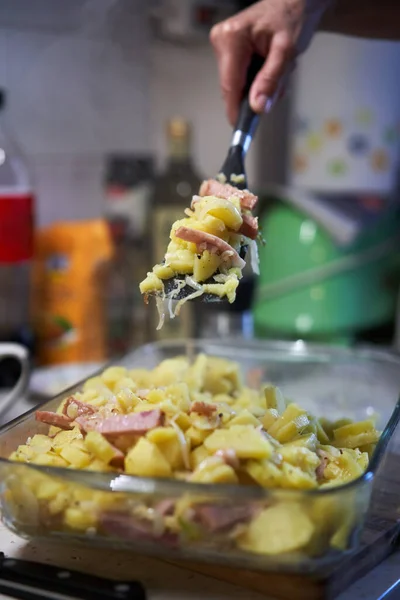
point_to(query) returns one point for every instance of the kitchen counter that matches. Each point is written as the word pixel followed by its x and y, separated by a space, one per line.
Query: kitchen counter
pixel 169 582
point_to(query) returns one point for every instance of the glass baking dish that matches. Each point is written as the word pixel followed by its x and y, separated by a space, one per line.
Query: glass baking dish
pixel 123 511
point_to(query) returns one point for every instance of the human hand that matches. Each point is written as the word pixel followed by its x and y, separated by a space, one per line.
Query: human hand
pixel 278 30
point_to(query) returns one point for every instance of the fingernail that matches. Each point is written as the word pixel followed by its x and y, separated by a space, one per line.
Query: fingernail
pixel 260 102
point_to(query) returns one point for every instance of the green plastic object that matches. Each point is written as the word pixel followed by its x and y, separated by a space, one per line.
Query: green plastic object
pixel 311 289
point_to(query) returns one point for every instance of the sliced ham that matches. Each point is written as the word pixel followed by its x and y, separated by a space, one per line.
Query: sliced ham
pixel 52 418
pixel 211 187
pixel 116 425
pixel 203 408
pixel 249 227
pixel 78 408
pixel 222 517
pixel 165 507
pixel 125 526
pixel 212 243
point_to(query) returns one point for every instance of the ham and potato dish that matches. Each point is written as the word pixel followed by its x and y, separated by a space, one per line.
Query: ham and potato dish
pixel 205 248
pixel 193 422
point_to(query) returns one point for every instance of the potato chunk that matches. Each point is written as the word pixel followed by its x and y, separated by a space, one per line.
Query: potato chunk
pixel 146 460
pixel 282 528
pixel 246 441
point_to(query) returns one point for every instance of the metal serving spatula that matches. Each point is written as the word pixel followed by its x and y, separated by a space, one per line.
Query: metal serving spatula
pixel 243 134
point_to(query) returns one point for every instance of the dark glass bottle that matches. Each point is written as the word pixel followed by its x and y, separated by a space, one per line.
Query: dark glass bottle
pixel 173 193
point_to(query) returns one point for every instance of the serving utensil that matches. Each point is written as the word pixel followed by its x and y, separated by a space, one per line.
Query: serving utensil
pixel 234 164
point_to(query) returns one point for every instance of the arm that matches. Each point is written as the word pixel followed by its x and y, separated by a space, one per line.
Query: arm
pixel 280 31
pixel 379 19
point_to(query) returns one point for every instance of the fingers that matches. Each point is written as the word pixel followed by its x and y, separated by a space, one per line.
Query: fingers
pixel 233 52
pixel 266 84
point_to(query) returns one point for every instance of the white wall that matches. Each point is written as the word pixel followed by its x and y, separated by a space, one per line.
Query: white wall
pixel 86 77
pixel 78 86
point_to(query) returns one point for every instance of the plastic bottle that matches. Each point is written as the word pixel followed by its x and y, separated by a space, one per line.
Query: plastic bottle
pixel 16 241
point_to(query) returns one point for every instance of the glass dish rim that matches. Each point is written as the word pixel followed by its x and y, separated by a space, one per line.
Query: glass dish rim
pixel 129 484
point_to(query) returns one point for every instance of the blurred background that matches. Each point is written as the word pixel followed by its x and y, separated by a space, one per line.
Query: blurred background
pixel 110 117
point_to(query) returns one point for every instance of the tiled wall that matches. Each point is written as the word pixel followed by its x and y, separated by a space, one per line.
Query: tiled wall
pixel 78 83
pixel 86 77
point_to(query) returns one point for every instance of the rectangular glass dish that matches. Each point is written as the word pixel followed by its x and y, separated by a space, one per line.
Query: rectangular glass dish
pixel 327 381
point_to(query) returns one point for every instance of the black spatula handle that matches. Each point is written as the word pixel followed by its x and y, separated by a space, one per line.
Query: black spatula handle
pixel 247 118
pixel 34 581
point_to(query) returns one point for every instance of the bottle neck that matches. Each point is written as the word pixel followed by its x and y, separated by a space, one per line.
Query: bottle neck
pixel 179 151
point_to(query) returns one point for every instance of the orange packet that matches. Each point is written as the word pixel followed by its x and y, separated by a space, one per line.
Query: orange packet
pixel 69 291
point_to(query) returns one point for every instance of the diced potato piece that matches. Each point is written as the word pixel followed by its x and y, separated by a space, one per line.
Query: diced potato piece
pixel 99 446
pixel 265 473
pixel 167 440
pixel 222 209
pixel 183 421
pixel 48 489
pixel 124 384
pixel 127 400
pixel 213 470
pixel 349 464
pixel 112 375
pixel 282 528
pixel 146 460
pixel 79 519
pixel 59 503
pixel 87 396
pixel 205 265
pixel 41 443
pixel 179 394
pixel 308 440
pixel 274 398
pixel 142 377
pixel 168 372
pixel 97 384
pixel 25 453
pixel 197 456
pixel 355 435
pixel 152 283
pixel 163 271
pixel 50 460
pixel 221 376
pixel 269 418
pixel 243 439
pixel 79 444
pixel 64 438
pixel 292 422
pixel 180 261
pixel 245 417
pixel 301 457
pixel 293 477
pixel 224 399
pixel 340 538
pixel 76 457
pixel 196 436
pixel 369 449
pixel 156 396
pixel 195 374
pixel 98 466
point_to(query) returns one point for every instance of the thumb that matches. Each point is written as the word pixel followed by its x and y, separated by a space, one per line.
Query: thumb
pixel 266 84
